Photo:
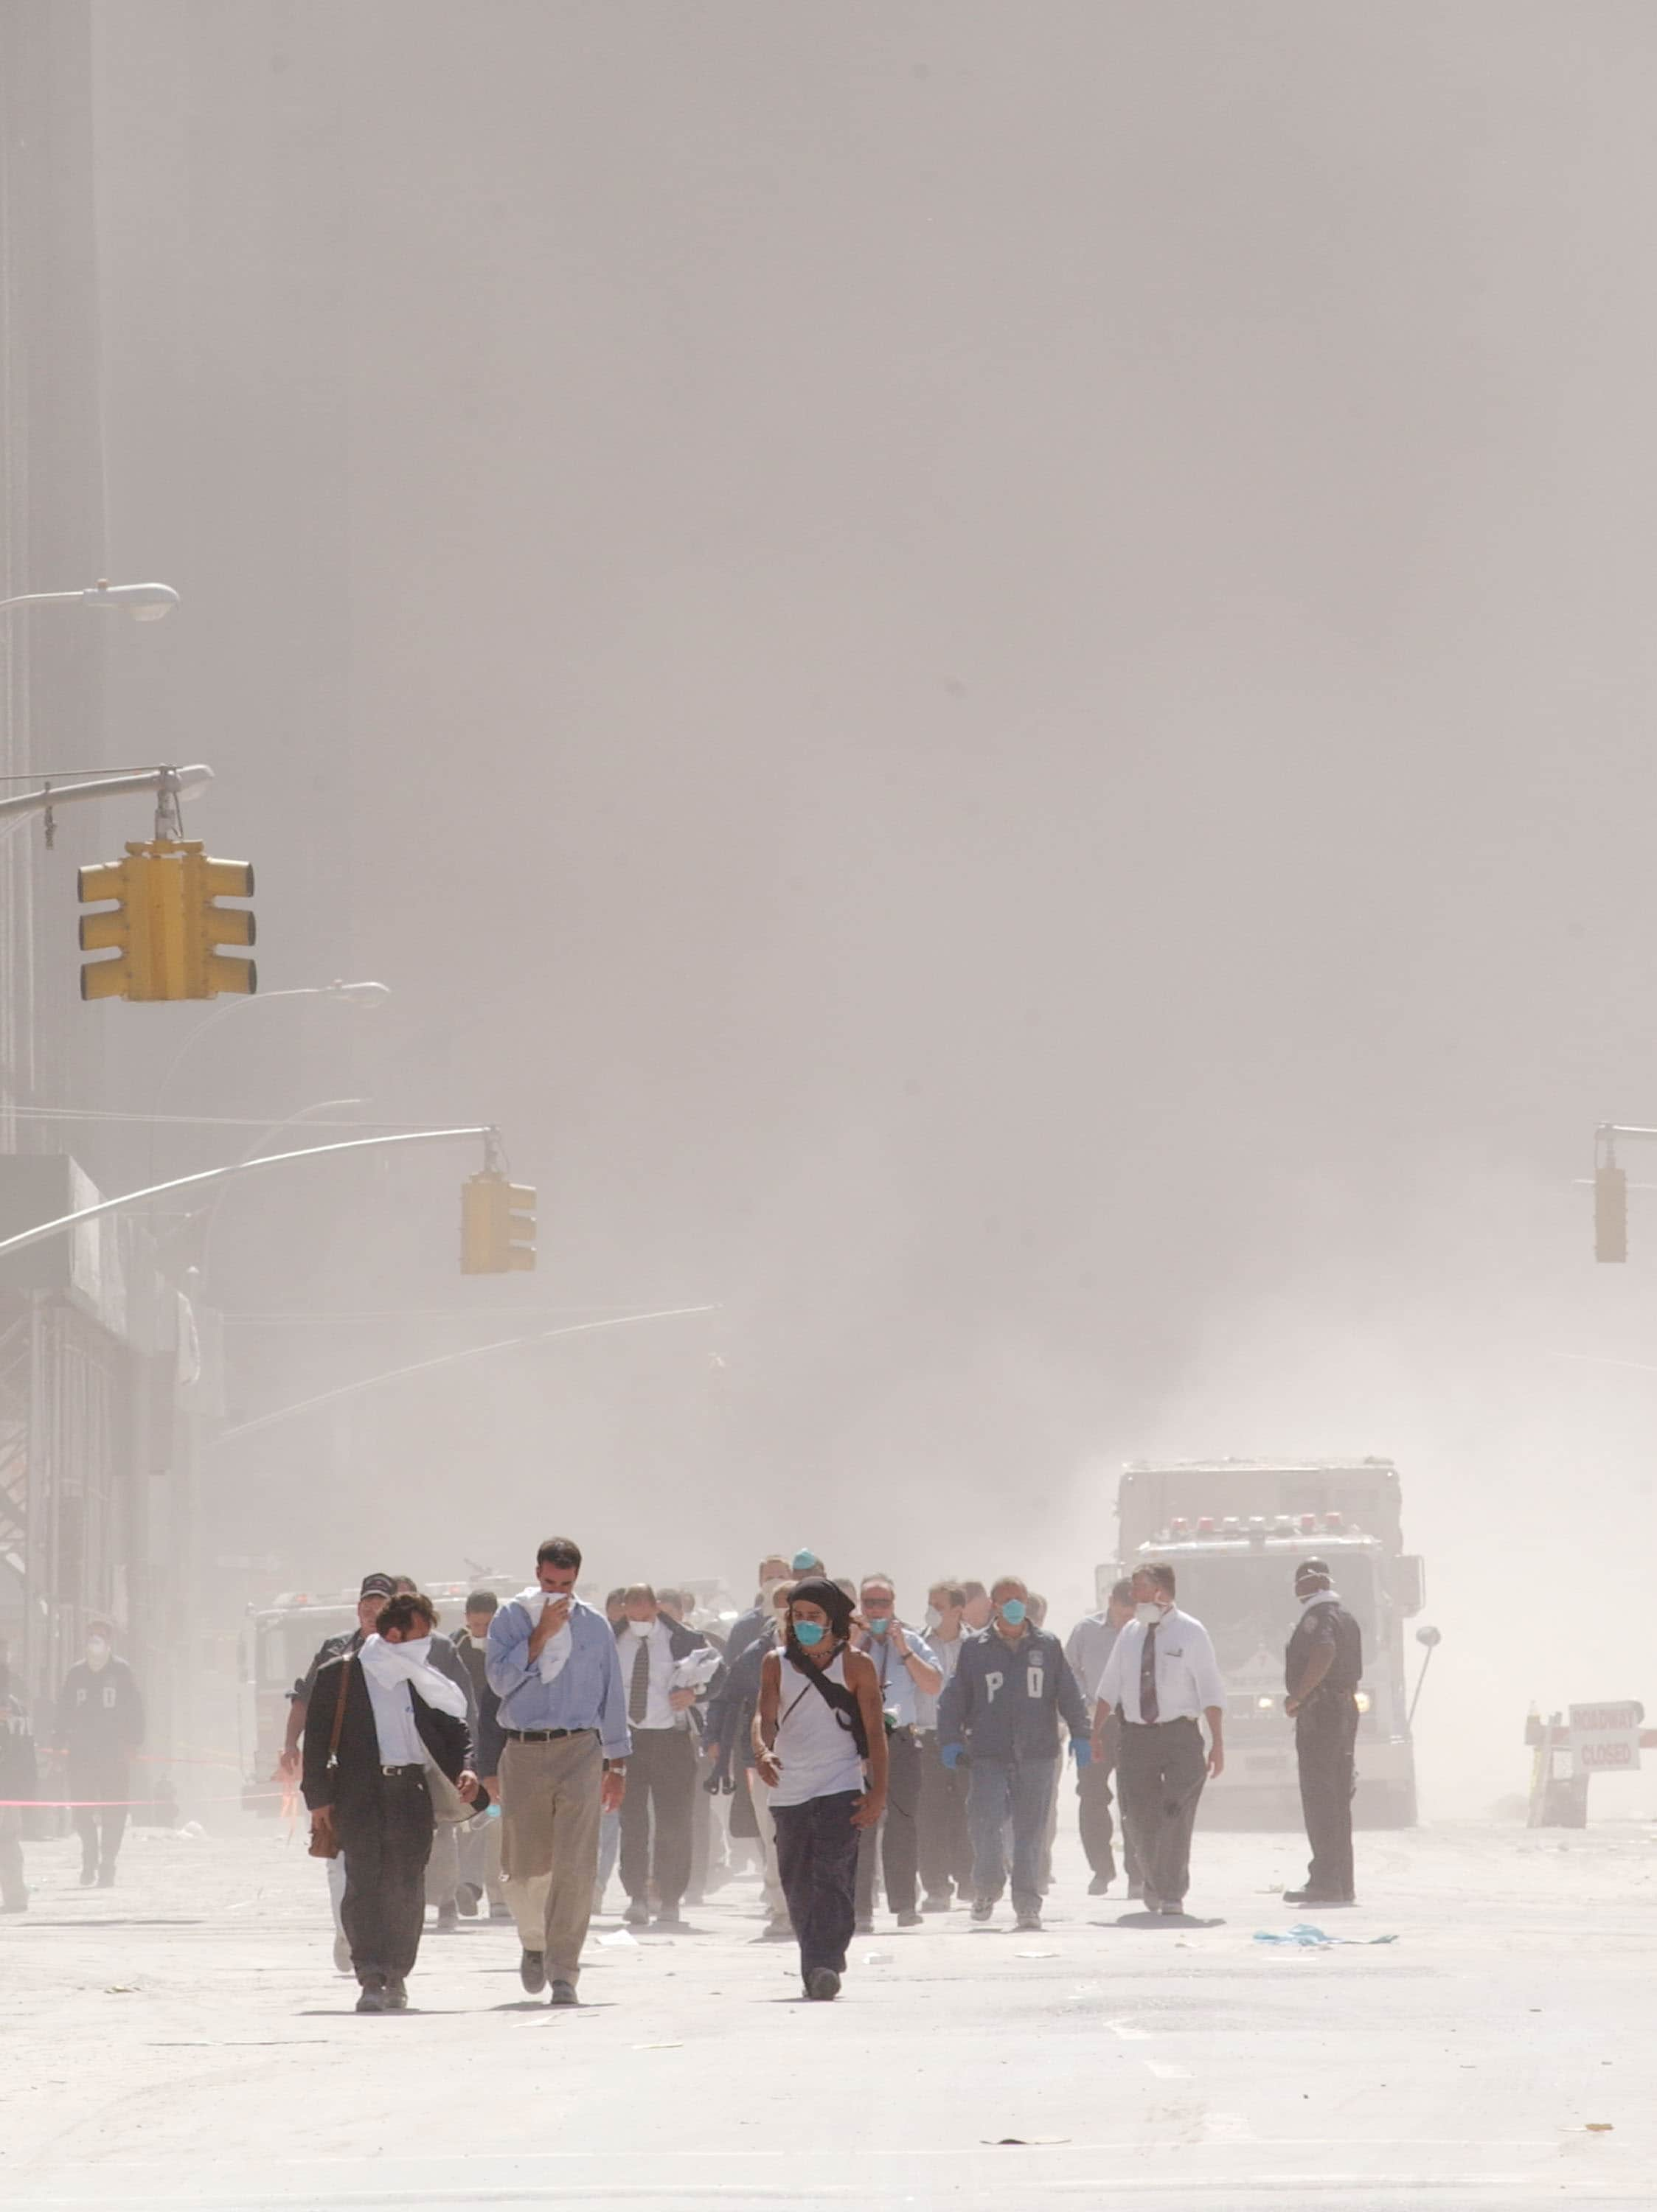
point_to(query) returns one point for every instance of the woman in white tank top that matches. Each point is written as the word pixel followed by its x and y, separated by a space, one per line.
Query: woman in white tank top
pixel 816 1700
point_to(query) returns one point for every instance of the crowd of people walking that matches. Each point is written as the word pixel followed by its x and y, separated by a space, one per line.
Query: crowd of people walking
pixel 516 1763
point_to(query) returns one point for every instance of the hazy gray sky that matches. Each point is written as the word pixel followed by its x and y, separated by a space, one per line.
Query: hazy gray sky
pixel 999 691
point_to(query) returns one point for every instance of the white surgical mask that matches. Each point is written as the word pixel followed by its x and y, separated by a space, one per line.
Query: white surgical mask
pixel 1148 1611
pixel 934 1618
pixel 641 1628
pixel 97 1653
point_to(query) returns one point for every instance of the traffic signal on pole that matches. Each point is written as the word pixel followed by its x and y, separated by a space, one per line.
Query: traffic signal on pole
pixel 1611 1214
pixel 498 1225
pixel 164 924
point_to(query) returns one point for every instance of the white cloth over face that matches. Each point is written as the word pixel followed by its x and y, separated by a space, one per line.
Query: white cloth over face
pixel 387 1664
pixel 555 1652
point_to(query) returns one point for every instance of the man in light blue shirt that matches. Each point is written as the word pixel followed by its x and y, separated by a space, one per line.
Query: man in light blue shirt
pixel 552 1662
pixel 909 1678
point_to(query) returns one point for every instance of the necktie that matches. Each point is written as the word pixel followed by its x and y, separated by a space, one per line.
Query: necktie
pixel 638 1693
pixel 1148 1707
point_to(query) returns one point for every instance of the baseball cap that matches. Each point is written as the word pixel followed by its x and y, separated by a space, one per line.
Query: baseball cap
pixel 377 1586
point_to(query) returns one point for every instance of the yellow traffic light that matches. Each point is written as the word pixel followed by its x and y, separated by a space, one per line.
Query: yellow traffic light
pixel 498 1225
pixel 164 924
pixel 1611 1214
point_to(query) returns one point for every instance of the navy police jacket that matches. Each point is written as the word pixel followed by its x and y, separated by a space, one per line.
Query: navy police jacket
pixel 1005 1700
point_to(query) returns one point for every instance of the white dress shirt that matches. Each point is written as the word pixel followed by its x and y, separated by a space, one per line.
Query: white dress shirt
pixel 1087 1647
pixel 1187 1673
pixel 946 1655
pixel 658 1713
pixel 393 1723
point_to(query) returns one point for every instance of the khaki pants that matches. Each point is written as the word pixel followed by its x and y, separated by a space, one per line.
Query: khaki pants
pixel 550 1810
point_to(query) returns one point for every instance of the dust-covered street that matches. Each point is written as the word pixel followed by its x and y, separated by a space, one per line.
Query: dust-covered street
pixel 183 2040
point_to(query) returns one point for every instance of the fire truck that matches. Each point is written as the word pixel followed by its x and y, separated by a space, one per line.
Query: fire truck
pixel 280 1640
pixel 1233 1530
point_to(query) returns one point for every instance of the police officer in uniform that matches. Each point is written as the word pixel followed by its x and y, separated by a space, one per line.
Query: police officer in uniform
pixel 1322 1668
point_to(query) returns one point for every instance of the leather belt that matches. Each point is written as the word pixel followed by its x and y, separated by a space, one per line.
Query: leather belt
pixel 416 1767
pixel 544 1736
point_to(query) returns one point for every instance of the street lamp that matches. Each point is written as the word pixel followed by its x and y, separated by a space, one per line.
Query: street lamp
pixel 145 602
pixel 366 996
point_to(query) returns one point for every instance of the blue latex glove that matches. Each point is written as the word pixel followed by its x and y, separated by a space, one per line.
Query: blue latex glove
pixel 1081 1751
pixel 951 1755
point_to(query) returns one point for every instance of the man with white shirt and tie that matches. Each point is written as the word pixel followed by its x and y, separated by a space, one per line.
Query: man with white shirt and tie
pixel 662 1768
pixel 552 1662
pixel 1160 1676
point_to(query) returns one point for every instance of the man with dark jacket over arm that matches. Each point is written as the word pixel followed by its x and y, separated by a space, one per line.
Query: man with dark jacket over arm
pixel 1011 1688
pixel 656 1812
pixel 365 1784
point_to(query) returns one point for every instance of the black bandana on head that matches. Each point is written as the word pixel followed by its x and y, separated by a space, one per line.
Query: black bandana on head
pixel 819 1590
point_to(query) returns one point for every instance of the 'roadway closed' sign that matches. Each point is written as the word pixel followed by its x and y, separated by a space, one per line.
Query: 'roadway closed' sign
pixel 1605 1739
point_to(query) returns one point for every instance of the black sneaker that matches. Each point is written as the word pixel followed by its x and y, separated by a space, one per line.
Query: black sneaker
pixel 981 1909
pixel 822 1984
pixel 397 1994
pixel 467 1898
pixel 865 1926
pixel 1101 1885
pixel 1028 1923
pixel 910 1919
pixel 944 1903
pixel 637 1914
pixel 564 1993
pixel 373 1997
pixel 532 1971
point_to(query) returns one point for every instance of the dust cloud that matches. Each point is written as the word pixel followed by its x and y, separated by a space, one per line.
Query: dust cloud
pixel 985 672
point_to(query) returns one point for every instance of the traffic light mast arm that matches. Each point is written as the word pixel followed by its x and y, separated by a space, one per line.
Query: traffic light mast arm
pixel 46 1228
pixel 51 795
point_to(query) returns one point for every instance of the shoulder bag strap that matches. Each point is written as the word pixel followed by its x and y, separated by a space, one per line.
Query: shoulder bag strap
pixel 339 1710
